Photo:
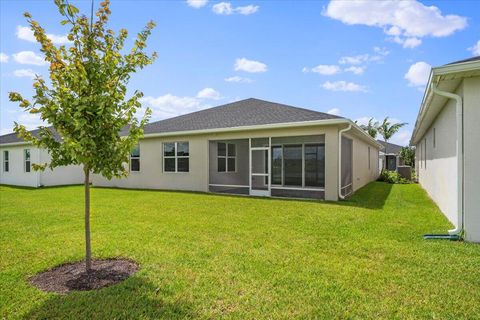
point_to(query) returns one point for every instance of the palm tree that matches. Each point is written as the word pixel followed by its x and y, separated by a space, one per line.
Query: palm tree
pixel 371 128
pixel 387 130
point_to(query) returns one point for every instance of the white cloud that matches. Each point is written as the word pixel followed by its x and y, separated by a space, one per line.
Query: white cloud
pixel 223 8
pixel 25 33
pixel 418 74
pixel 355 70
pixel 3 57
pixel 246 10
pixel 381 51
pixel 401 138
pixel 334 111
pixel 208 93
pixel 238 79
pixel 29 57
pixel 169 105
pixel 252 66
pixel 323 69
pixel 197 3
pixel 226 9
pixel 344 86
pixel 24 73
pixel 475 49
pixel 405 21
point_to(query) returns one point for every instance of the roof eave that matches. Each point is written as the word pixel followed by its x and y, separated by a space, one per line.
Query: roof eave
pixel 435 74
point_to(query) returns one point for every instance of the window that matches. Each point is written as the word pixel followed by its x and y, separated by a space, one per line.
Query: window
pixel 6 163
pixel 369 165
pixel 434 138
pixel 292 165
pixel 226 157
pixel 176 157
pixel 26 156
pixel 314 165
pixel 135 159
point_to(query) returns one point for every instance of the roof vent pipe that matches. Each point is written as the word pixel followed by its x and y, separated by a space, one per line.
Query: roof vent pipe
pixel 460 154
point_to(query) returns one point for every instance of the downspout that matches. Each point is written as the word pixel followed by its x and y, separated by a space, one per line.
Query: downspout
pixel 340 160
pixel 455 233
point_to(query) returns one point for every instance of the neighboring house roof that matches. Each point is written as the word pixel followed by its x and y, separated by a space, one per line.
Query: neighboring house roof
pixel 390 147
pixel 12 137
pixel 243 114
pixel 446 78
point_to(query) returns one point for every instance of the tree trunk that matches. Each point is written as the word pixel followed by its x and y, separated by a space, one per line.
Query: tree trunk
pixel 88 252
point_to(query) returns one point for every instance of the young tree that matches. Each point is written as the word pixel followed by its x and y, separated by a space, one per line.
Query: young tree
pixel 387 130
pixel 85 101
pixel 371 128
pixel 408 156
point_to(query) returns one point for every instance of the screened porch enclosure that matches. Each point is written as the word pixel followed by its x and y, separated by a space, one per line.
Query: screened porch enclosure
pixel 269 166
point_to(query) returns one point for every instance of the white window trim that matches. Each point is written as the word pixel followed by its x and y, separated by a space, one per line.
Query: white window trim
pixel 226 157
pixel 175 156
pixel 132 157
pixel 25 161
pixel 5 161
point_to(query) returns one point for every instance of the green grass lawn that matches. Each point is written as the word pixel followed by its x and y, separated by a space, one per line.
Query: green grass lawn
pixel 210 256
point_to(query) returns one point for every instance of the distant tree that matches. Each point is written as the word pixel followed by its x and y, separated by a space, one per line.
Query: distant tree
pixel 408 155
pixel 86 99
pixel 371 128
pixel 387 130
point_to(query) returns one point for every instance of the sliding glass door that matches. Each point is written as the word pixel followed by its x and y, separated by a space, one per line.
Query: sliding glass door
pixel 298 165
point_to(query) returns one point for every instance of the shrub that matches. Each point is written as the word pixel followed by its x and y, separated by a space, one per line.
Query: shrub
pixel 392 177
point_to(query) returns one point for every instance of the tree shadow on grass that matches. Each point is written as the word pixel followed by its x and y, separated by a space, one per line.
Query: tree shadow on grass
pixel 372 196
pixel 135 298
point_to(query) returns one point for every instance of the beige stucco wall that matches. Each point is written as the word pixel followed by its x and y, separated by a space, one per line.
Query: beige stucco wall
pixel 362 173
pixel 437 173
pixel 472 158
pixel 151 173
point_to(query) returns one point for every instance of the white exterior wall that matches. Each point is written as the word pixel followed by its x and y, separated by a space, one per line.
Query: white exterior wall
pixel 16 174
pixel 437 173
pixel 472 158
pixel 60 175
pixel 18 177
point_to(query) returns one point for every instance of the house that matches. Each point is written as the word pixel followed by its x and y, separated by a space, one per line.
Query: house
pixel 253 147
pixel 390 157
pixel 17 157
pixel 447 140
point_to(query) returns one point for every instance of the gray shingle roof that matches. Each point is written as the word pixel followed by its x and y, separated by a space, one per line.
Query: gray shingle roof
pixel 248 112
pixel 12 137
pixel 392 148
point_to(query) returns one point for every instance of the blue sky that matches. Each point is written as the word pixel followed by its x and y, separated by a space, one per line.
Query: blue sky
pixel 358 59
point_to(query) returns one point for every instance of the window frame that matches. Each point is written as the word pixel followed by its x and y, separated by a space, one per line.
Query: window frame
pixel 132 157
pixel 6 161
pixel 175 156
pixel 227 157
pixel 25 161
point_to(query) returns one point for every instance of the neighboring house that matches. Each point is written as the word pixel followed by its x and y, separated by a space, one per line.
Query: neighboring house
pixel 253 147
pixel 17 157
pixel 447 140
pixel 389 156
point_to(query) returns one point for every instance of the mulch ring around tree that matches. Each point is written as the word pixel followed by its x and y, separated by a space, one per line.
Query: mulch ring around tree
pixel 73 276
